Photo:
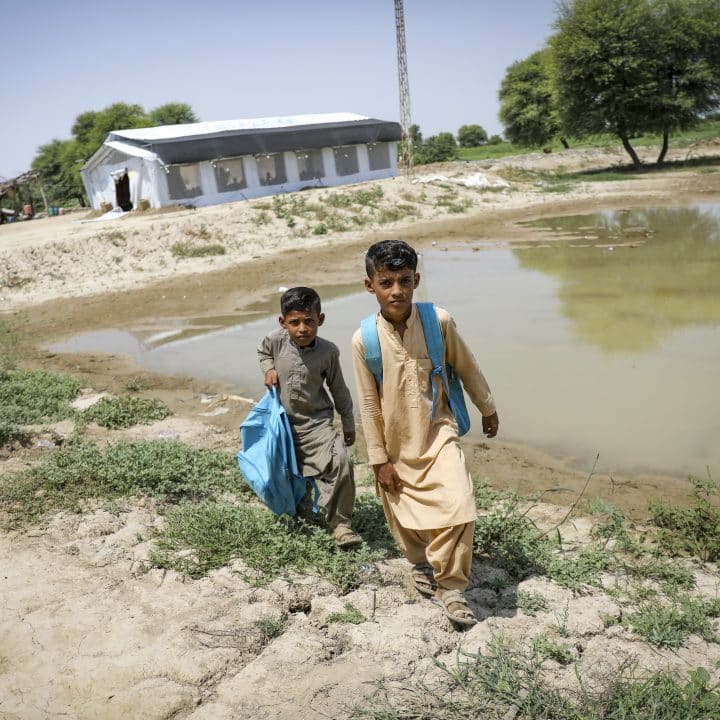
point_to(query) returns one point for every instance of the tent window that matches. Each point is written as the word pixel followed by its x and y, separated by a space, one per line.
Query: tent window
pixel 184 181
pixel 379 155
pixel 271 169
pixel 310 164
pixel 346 160
pixel 230 175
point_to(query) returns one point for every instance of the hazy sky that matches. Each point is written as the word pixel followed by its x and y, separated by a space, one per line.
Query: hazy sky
pixel 254 58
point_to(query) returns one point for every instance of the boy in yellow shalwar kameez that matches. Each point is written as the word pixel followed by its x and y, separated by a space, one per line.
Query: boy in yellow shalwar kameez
pixel 419 466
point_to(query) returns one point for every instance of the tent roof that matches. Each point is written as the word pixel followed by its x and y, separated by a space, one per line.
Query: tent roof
pixel 162 133
pixel 194 142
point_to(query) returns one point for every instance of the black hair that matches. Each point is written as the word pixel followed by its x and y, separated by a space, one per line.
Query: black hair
pixel 299 298
pixel 391 255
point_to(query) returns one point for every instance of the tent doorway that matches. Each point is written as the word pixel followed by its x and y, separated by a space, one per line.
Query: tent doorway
pixel 122 192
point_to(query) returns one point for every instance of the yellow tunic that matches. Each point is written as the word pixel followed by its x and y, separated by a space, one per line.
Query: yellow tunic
pixel 437 491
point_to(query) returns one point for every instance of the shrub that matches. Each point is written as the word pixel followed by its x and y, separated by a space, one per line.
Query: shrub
pixel 125 412
pixel 167 470
pixel 36 396
pixel 13 434
pixel 271 626
pixel 668 624
pixel 695 531
pixel 511 541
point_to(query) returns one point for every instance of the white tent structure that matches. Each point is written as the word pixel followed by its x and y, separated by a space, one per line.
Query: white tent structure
pixel 215 162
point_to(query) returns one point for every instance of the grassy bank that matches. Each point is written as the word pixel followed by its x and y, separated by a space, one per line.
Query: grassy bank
pixel 707 130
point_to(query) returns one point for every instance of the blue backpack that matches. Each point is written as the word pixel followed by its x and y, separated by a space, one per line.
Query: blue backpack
pixel 436 350
pixel 267 459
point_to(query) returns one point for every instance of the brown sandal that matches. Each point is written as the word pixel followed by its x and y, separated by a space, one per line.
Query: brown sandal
pixel 423 578
pixel 455 607
pixel 345 537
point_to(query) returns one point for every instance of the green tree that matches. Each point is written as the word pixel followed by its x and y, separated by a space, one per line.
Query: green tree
pixel 118 116
pixel 634 66
pixel 83 126
pixel 173 113
pixel 528 106
pixel 472 136
pixel 437 148
pixel 60 160
pixel 416 135
pixel 687 74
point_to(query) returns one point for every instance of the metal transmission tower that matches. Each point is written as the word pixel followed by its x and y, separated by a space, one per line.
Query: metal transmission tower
pixel 406 153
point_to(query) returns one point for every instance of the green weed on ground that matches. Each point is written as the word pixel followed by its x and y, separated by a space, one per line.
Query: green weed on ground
pixel 36 396
pixel 510 541
pixel 671 575
pixel 202 232
pixel 137 384
pixel 511 681
pixel 668 624
pixel 187 249
pixel 485 495
pixel 694 531
pixel 548 649
pixel 351 616
pixel 530 603
pixel 11 341
pixel 364 197
pixel 369 521
pixel 167 470
pixel 10 434
pixel 201 537
pixel 271 626
pixel 124 412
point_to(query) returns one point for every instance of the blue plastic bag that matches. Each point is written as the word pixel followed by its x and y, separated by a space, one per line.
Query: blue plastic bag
pixel 267 459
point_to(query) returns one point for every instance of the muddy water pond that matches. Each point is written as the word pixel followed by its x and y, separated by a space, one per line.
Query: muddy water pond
pixel 603 337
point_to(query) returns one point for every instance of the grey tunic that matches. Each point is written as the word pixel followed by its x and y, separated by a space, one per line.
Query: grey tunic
pixel 302 374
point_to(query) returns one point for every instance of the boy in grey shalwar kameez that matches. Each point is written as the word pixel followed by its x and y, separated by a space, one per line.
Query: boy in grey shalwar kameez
pixel 301 363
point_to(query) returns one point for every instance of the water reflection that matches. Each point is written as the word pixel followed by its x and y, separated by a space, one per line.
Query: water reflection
pixel 628 279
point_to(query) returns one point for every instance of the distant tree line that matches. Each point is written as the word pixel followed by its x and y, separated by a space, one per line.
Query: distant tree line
pixel 625 67
pixel 444 145
pixel 59 161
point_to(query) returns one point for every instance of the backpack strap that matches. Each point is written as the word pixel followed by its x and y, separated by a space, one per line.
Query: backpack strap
pixel 435 347
pixel 371 343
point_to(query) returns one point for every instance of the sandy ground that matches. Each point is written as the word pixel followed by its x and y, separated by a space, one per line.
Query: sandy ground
pixel 86 633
